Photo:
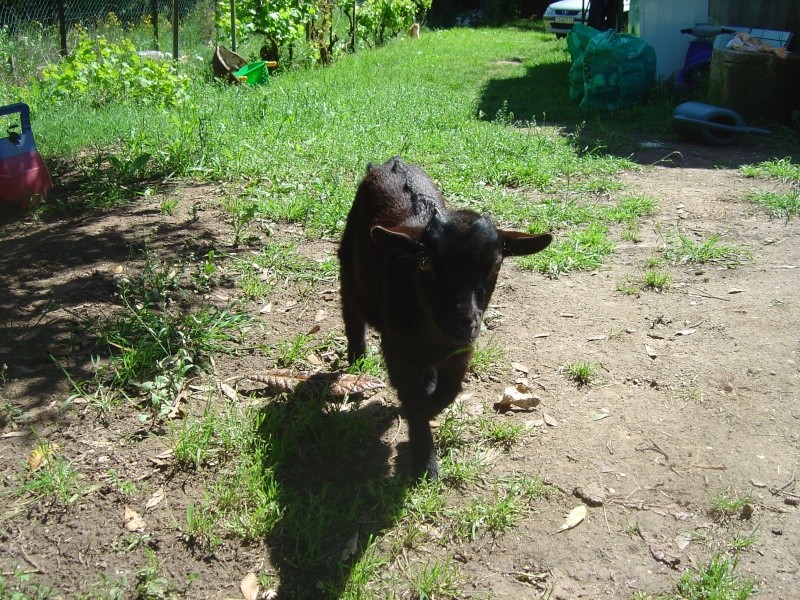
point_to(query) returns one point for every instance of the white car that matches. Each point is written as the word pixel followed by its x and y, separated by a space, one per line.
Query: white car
pixel 561 15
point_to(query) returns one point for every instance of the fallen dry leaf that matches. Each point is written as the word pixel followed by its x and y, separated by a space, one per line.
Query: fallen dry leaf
pixel 229 391
pixel 650 352
pixel 520 367
pixel 133 521
pixel 250 587
pixel 350 548
pixel 337 384
pixel 155 499
pixel 551 421
pixel 519 396
pixel 685 332
pixel 575 517
pixel 40 455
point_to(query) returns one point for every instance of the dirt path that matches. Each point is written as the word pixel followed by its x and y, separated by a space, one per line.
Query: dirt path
pixel 697 396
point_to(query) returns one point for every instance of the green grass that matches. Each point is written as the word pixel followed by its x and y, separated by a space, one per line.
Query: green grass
pixel 782 169
pixel 777 204
pixel 656 279
pixel 487 359
pixel 716 580
pixel 582 372
pixel 725 507
pixel 580 250
pixel 56 481
pixel 305 139
pixel 688 251
pixel 500 432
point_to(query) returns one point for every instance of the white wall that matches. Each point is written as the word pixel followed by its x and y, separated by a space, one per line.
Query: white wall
pixel 659 23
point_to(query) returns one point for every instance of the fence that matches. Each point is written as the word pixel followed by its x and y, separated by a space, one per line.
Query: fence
pixel 64 14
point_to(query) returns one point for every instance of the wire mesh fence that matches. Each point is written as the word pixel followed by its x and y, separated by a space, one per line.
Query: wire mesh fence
pixel 34 32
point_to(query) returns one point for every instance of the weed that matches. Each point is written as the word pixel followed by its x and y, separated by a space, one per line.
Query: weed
pixel 631 233
pixel 717 579
pixel 124 486
pixel 363 572
pixel 486 360
pixel 150 585
pixel 437 580
pixel 167 206
pixel 370 364
pixel 495 516
pixel 783 169
pixel 657 280
pixel 453 429
pixel 242 214
pixel 689 251
pixel 200 524
pixel 781 205
pixel 629 286
pixel 579 250
pixel 503 433
pixel 629 209
pixel 23 587
pixel 581 372
pixel 633 531
pixel 55 479
pixel 458 473
pixel 726 507
pixel 742 542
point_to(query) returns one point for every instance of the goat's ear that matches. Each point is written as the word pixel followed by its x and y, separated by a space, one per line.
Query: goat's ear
pixel 400 238
pixel 516 243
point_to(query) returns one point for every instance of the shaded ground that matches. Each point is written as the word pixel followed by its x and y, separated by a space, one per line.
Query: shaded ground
pixel 697 396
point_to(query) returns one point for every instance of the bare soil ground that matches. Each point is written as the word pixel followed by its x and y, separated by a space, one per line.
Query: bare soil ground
pixel 697 396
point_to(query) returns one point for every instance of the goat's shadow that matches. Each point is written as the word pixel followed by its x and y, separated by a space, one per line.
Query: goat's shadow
pixel 331 469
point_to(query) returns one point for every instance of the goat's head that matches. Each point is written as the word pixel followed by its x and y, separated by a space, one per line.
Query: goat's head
pixel 458 257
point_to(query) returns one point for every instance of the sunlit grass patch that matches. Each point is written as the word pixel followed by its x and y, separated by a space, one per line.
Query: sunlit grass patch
pixel 777 204
pixel 686 250
pixel 579 250
pixel 783 169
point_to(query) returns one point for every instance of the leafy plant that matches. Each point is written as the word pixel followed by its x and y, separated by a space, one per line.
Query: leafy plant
pixel 125 171
pixel 378 20
pixel 282 20
pixel 104 72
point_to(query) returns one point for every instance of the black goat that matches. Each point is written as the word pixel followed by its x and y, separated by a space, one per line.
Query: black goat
pixel 422 276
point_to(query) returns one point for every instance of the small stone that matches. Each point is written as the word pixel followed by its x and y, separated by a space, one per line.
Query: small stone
pixel 791 501
pixel 777 531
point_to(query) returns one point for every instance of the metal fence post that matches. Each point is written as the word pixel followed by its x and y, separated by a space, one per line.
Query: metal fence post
pixel 154 16
pixel 233 25
pixel 62 26
pixel 175 29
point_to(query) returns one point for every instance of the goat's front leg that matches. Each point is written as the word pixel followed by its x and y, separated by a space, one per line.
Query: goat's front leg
pixel 356 331
pixel 423 394
pixel 415 387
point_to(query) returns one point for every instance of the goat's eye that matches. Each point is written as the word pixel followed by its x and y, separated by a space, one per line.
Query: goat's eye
pixel 425 263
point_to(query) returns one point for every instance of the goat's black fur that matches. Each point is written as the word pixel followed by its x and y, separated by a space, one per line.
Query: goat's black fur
pixel 422 276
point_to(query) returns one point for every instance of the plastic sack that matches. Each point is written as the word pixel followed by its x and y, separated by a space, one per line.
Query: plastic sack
pixel 618 71
pixel 577 40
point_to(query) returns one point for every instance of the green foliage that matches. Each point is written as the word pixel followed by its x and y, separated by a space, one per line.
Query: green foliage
pixel 784 205
pixel 717 580
pixel 104 73
pixel 689 251
pixel 782 169
pixel 281 20
pixel 379 20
